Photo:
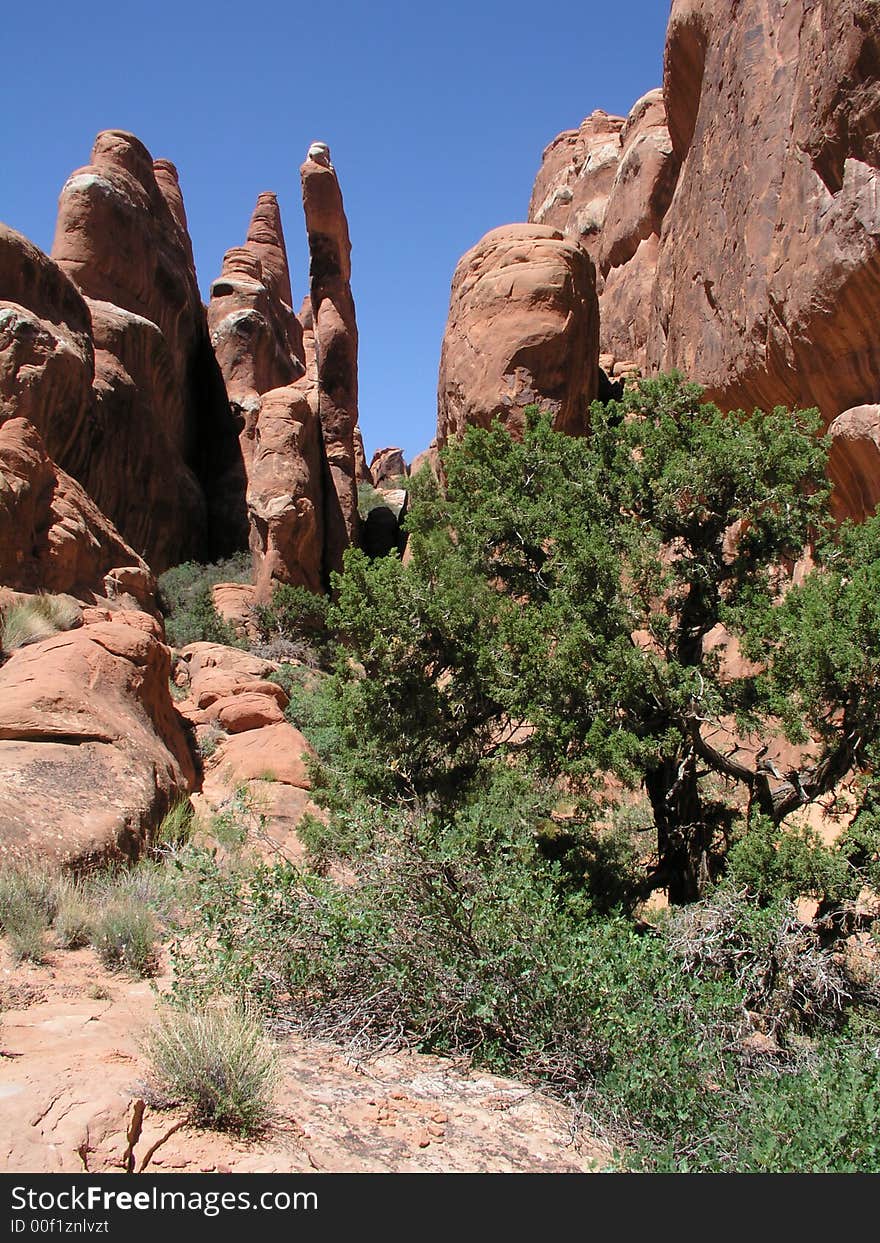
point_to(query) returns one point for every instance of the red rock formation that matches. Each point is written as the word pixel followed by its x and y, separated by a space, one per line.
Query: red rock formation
pixel 768 282
pixel 387 464
pixel 53 537
pixel 522 329
pixel 609 185
pixel 629 244
pixel 122 238
pixel 336 340
pixel 575 179
pixel 428 457
pixel 285 493
pixel 854 463
pixel 47 359
pixel 92 752
pixel 258 342
pixel 362 470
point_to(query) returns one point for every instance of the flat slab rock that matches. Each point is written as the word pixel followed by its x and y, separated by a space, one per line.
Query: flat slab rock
pixel 71 1070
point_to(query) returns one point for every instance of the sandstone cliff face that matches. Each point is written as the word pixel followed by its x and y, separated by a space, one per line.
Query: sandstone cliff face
pixel 122 238
pixel 574 181
pixel 47 357
pixel 768 281
pixel 336 344
pixel 608 186
pixel 522 329
pixel 53 537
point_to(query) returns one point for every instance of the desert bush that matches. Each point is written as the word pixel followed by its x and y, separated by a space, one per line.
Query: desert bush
pixel 218 1062
pixel 185 598
pixel 35 619
pixel 464 938
pixel 293 626
pixel 368 498
pixel 124 934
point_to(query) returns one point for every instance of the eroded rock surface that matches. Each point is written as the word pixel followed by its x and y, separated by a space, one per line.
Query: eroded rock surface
pixel 523 329
pixel 52 535
pixel 336 343
pixel 92 752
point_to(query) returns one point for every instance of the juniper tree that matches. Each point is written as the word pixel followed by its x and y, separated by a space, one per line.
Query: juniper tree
pixel 555 608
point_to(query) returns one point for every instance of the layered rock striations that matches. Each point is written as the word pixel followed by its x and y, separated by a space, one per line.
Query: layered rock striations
pixel 523 329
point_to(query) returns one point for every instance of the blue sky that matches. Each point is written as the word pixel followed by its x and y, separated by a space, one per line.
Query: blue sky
pixel 436 117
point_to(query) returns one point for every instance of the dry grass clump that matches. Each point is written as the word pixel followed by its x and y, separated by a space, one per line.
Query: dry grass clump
pixel 124 934
pixel 29 902
pixel 40 617
pixel 218 1062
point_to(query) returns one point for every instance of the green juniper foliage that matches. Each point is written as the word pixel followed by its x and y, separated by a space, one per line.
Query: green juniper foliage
pixel 555 610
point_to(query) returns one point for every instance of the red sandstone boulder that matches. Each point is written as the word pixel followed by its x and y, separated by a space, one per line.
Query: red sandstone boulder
pixel 276 752
pixel 92 752
pixel 245 711
pixel 286 493
pixel 53 537
pixel 854 462
pixel 336 338
pixel 523 328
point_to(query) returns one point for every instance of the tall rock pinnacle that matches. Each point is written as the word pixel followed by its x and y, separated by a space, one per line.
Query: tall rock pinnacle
pixel 336 343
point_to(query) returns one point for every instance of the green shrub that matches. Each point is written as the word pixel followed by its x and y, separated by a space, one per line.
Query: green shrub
pixel 185 596
pixel 36 619
pixel 218 1062
pixel 294 625
pixel 463 938
pixel 369 498
pixel 176 827
pixel 124 935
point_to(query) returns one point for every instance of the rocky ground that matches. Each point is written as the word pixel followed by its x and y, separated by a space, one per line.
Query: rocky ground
pixel 73 1085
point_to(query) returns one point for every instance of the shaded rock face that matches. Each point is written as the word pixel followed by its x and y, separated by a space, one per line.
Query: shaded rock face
pixel 387 464
pixel 53 537
pixel 92 753
pixel 159 413
pixel 854 462
pixel 768 280
pixel 608 186
pixel 523 328
pixel 47 358
pixel 362 470
pixel 336 345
